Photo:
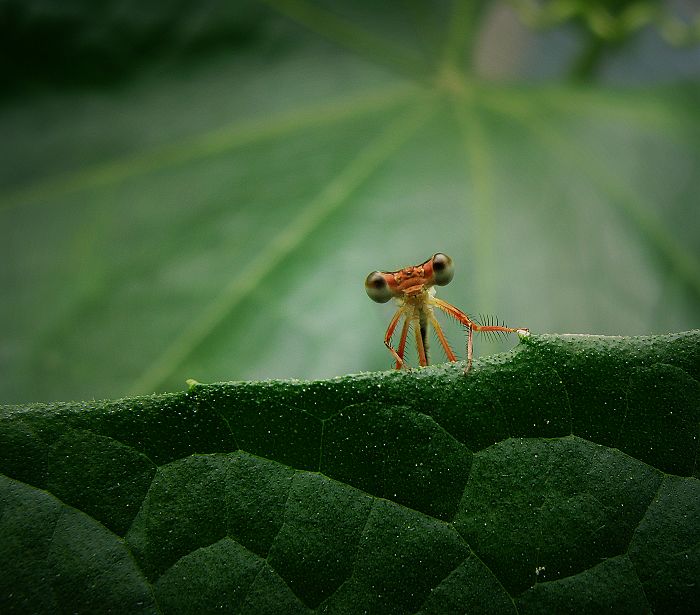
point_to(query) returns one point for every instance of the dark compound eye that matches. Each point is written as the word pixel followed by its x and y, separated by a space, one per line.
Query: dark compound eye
pixel 377 287
pixel 443 271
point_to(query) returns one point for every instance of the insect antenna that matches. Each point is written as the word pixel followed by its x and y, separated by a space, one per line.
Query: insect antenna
pixel 489 320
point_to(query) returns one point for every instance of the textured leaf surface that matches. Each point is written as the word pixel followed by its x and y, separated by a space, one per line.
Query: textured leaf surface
pixel 560 477
pixel 217 220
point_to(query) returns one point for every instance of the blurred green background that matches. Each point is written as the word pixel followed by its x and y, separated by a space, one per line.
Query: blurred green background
pixel 198 189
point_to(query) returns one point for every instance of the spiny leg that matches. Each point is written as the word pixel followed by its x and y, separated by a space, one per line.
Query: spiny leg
pixel 461 317
pixel 390 332
pixel 443 340
pixel 471 326
pixel 422 359
pixel 468 322
pixel 486 329
pixel 470 349
pixel 402 342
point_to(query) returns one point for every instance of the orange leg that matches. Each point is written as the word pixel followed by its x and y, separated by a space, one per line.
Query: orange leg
pixel 471 326
pixel 443 340
pixel 456 313
pixel 422 358
pixel 470 349
pixel 390 332
pixel 402 342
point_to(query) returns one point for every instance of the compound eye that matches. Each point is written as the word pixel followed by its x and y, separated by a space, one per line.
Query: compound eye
pixel 377 287
pixel 443 271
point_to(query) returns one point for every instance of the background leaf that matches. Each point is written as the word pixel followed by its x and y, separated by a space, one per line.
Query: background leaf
pixel 213 214
pixel 561 477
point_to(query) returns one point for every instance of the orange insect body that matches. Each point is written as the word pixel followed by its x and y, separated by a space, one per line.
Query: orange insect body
pixel 413 289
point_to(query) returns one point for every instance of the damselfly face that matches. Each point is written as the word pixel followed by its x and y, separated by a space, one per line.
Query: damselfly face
pixel 413 289
pixel 410 281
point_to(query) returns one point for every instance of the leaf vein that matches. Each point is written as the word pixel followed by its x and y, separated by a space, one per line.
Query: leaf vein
pixel 330 198
pixel 352 37
pixel 222 139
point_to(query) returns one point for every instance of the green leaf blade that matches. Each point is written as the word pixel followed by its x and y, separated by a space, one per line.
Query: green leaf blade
pixel 414 491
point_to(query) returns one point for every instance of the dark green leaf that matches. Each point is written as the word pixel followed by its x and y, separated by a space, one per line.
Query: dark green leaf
pixel 57 559
pixel 561 477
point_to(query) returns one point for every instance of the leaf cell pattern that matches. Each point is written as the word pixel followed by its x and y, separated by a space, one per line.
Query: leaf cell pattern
pixel 388 492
